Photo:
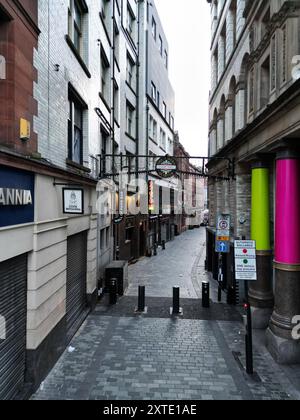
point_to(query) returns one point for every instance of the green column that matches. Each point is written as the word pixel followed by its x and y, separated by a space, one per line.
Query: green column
pixel 261 295
pixel 260 217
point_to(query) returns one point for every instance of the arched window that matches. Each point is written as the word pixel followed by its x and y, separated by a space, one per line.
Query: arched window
pixel 243 93
pixel 232 93
pixel 221 124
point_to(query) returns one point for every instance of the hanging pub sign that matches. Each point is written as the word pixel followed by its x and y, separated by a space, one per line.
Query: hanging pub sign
pixel 16 197
pixel 151 201
pixel 166 167
pixel 73 201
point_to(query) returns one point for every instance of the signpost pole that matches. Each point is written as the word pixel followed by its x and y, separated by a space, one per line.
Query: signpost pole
pixel 249 337
pixel 245 264
pixel 220 278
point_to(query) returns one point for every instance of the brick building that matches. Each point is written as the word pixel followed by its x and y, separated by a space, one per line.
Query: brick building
pixel 254 120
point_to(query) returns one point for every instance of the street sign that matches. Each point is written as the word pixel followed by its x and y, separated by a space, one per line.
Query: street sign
pixel 166 167
pixel 245 260
pixel 223 234
pixel 223 225
pixel 223 247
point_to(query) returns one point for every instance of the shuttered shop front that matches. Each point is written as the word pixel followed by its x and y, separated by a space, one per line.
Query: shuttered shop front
pixel 76 280
pixel 13 313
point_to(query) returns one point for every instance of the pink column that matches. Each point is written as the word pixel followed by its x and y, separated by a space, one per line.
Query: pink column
pixel 287 229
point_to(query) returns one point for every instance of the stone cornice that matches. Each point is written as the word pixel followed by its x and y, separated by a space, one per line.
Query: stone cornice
pixel 289 9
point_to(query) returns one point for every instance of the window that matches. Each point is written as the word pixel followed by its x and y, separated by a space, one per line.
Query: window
pixel 170 144
pixel 154 28
pixel 273 63
pixel 130 119
pixel 165 110
pixel 153 129
pixel 171 121
pixel 251 91
pixel 116 102
pixel 75 130
pixel 265 83
pixel 130 22
pixel 75 23
pixel 105 12
pixel 105 77
pixel 158 100
pixel 107 237
pixel 284 55
pixel 130 71
pixel 153 92
pixel 166 60
pixel 163 140
pixel 161 46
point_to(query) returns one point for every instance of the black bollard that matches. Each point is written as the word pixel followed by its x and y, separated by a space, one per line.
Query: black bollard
pixel 141 302
pixel 176 300
pixel 163 245
pixel 205 294
pixel 155 250
pixel 113 291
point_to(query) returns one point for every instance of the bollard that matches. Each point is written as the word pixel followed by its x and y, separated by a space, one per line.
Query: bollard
pixel 205 294
pixel 219 293
pixel 141 302
pixel 163 245
pixel 176 300
pixel 113 291
pixel 155 250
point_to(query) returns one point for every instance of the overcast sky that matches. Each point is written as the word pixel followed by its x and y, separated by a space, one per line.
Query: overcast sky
pixel 187 27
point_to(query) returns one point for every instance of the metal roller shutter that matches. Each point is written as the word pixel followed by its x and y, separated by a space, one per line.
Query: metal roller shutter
pixel 13 309
pixel 76 279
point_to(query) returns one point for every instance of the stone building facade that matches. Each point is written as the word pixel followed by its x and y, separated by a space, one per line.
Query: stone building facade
pixel 254 120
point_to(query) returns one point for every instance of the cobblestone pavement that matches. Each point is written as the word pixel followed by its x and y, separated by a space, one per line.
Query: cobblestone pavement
pixel 118 355
pixel 177 266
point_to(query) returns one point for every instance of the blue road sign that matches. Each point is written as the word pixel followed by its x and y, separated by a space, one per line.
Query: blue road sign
pixel 223 247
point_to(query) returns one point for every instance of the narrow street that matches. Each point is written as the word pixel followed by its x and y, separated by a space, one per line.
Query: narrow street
pixel 117 355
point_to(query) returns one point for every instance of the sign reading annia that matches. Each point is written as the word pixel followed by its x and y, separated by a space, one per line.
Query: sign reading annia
pixel 14 197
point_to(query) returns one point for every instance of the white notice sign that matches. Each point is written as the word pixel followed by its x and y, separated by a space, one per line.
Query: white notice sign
pixel 245 260
pixel 73 201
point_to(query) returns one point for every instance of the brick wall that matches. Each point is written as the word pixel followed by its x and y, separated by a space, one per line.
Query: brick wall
pixel 18 38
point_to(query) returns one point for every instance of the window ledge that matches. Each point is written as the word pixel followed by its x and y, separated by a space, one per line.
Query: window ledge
pixel 105 102
pixel 78 56
pixel 130 136
pixel 75 165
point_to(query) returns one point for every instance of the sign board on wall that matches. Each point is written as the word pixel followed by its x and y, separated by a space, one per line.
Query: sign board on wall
pixel 223 234
pixel 16 197
pixel 245 260
pixel 73 201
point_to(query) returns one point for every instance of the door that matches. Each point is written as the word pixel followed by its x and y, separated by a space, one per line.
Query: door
pixel 76 280
pixel 13 314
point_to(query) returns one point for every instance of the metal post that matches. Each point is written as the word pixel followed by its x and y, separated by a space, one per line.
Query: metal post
pixel 176 300
pixel 155 250
pixel 220 278
pixel 163 245
pixel 141 303
pixel 113 291
pixel 249 338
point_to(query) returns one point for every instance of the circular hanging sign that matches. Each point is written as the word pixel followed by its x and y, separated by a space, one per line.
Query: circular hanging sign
pixel 166 167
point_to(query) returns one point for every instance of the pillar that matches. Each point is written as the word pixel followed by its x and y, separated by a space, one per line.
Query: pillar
pixel 260 292
pixel 287 260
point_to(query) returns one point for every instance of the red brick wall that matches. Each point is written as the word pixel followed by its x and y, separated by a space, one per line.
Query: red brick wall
pixel 18 38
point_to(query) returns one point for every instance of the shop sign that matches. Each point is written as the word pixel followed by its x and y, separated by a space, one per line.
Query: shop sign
pixel 73 201
pixel 151 203
pixel 245 260
pixel 166 167
pixel 16 197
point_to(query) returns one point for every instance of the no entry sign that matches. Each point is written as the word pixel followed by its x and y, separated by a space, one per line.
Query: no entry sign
pixel 245 260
